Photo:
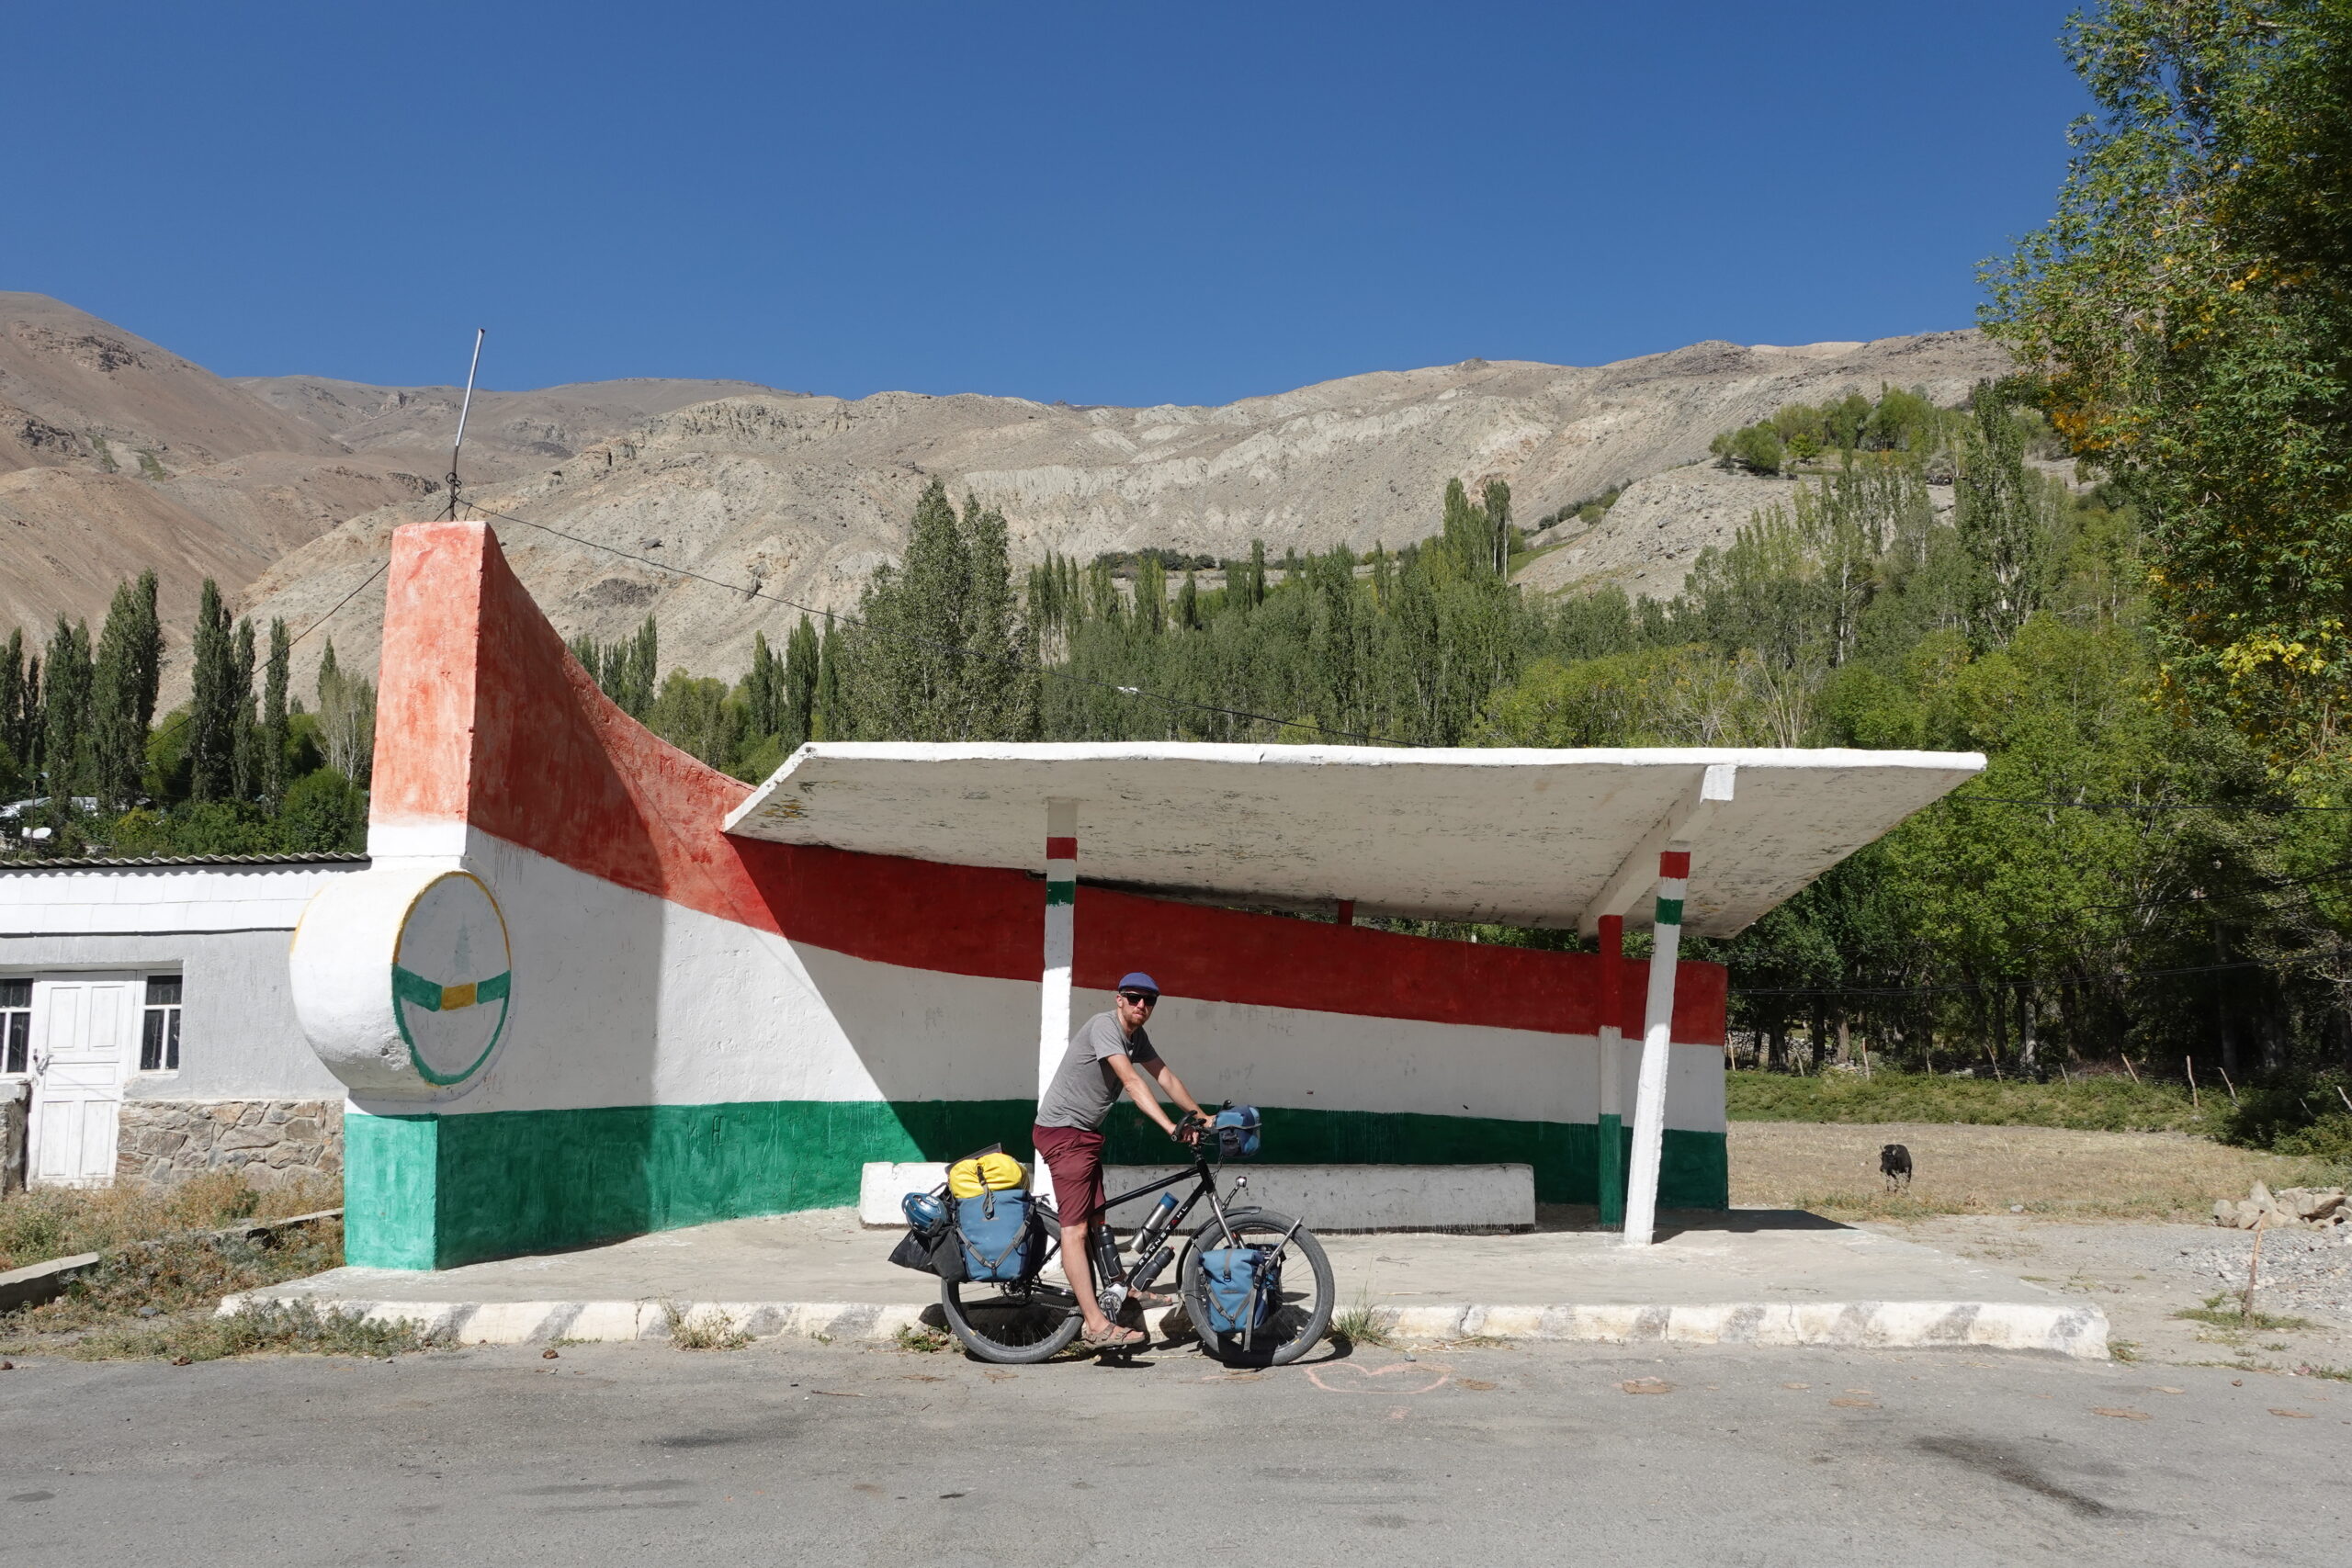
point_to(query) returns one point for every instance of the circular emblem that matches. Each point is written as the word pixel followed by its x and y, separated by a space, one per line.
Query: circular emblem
pixel 450 978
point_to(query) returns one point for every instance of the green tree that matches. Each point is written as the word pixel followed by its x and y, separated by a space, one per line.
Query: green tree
pixel 797 711
pixel 2188 312
pixel 66 681
pixel 346 729
pixel 277 731
pixel 244 725
pixel 126 669
pixel 940 652
pixel 212 707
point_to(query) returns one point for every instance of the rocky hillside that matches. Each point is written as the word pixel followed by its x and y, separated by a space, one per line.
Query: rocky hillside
pixel 116 455
pixel 804 496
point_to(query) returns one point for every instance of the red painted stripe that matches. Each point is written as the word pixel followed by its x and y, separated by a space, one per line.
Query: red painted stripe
pixel 1674 862
pixel 484 716
pixel 1061 849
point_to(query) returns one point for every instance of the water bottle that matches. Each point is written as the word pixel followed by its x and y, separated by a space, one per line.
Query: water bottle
pixel 1156 1226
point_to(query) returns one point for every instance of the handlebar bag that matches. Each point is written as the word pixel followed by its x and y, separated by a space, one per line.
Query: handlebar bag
pixel 992 1231
pixel 1236 1132
pixel 1243 1285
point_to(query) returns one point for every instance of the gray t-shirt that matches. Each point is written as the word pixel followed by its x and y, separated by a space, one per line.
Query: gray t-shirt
pixel 1084 1087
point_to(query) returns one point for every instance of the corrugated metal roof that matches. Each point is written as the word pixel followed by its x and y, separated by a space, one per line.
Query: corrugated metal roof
pixel 323 858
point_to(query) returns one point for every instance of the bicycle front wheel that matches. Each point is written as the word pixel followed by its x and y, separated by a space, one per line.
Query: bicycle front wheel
pixel 1302 1314
pixel 1017 1322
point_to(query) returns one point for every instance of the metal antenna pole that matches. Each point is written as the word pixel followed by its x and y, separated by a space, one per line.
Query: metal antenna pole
pixel 463 408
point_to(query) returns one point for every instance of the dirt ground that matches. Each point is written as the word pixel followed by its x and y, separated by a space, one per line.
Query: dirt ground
pixel 1832 1168
pixel 2124 1219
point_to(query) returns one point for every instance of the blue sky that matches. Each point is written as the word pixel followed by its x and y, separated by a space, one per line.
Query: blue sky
pixel 1099 204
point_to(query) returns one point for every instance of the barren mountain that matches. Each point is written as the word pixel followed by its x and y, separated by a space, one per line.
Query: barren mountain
pixel 117 454
pixel 803 496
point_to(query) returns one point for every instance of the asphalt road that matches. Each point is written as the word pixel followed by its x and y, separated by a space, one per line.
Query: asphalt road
pixel 799 1453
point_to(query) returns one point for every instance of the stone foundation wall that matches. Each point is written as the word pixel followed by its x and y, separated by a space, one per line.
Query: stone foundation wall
pixel 270 1141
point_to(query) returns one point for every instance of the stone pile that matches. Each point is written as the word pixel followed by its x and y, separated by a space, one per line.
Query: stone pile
pixel 2308 1208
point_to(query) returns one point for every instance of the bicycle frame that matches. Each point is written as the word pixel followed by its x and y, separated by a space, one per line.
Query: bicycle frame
pixel 1103 1249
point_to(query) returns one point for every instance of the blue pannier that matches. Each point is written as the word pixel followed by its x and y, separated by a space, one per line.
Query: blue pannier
pixel 1243 1285
pixel 1236 1132
pixel 992 1232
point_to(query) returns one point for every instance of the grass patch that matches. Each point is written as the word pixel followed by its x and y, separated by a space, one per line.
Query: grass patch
pixel 139 1283
pixel 710 1329
pixel 1363 1323
pixel 282 1327
pixel 2225 1311
pixel 59 1222
pixel 923 1339
pixel 2088 1104
pixel 2123 1350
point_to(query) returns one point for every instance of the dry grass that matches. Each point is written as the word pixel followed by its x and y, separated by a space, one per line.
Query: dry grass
pixel 1832 1168
pixel 53 1221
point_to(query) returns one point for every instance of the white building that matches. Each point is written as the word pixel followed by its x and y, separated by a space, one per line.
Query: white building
pixel 145 1025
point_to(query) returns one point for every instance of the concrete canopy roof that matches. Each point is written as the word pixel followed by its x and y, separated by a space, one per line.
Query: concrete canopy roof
pixel 1523 837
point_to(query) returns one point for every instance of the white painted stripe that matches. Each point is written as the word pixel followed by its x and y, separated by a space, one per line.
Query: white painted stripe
pixel 2079 1331
pixel 622 998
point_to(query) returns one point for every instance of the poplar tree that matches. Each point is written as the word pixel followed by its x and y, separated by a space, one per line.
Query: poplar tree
pixel 212 706
pixel 829 721
pixel 277 729
pixel 19 702
pixel 763 689
pixel 127 667
pixel 245 743
pixel 797 710
pixel 65 702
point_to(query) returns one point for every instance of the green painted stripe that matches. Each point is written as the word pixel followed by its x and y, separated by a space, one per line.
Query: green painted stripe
pixel 415 988
pixel 426 1191
pixel 1060 892
pixel 1670 911
pixel 1612 1146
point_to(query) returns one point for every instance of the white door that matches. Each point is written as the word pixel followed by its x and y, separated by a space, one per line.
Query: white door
pixel 85 1027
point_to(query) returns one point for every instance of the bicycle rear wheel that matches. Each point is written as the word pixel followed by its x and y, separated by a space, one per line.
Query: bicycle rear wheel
pixel 1016 1323
pixel 1304 1311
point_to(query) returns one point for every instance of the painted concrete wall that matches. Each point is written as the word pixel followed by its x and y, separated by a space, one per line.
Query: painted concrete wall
pixel 695 1026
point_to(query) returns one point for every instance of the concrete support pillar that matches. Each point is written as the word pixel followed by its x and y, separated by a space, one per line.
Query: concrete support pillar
pixel 1061 947
pixel 1657 1026
pixel 1610 1130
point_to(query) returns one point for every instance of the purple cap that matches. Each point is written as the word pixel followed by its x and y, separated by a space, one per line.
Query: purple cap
pixel 1137 980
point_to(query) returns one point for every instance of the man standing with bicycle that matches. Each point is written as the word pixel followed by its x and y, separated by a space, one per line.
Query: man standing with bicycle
pixel 1110 1052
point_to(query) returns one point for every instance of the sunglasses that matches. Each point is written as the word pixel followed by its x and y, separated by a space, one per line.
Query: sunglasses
pixel 1140 998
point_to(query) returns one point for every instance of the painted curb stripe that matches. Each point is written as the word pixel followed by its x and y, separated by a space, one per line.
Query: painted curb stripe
pixel 2076 1331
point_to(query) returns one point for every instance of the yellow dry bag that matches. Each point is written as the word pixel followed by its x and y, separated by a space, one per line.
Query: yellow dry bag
pixel 984 1173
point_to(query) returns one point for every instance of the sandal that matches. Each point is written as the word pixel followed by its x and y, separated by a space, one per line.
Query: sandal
pixel 1151 1298
pixel 1111 1336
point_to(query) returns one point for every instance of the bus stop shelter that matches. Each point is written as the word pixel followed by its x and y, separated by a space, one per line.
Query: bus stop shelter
pixel 1668 840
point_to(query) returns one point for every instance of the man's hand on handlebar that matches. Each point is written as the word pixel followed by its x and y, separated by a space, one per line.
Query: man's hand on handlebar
pixel 1188 1132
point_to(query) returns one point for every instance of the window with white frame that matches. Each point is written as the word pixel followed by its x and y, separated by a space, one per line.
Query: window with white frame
pixel 159 1038
pixel 16 1026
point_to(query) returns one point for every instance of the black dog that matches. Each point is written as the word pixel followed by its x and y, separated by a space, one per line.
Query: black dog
pixel 1895 1164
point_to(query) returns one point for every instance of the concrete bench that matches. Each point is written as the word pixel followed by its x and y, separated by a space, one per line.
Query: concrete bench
pixel 1333 1198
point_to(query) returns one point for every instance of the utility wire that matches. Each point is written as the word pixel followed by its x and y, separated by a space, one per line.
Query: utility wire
pixel 753 591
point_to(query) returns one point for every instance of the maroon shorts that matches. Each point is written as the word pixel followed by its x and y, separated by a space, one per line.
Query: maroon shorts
pixel 1075 1156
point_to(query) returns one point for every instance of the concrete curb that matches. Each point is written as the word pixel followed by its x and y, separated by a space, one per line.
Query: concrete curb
pixel 2076 1331
pixel 38 1282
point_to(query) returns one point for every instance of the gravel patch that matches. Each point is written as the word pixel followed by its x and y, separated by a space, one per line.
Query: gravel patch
pixel 2303 1273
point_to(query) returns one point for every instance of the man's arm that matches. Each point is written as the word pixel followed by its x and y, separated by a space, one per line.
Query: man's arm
pixel 1174 1086
pixel 1140 1092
